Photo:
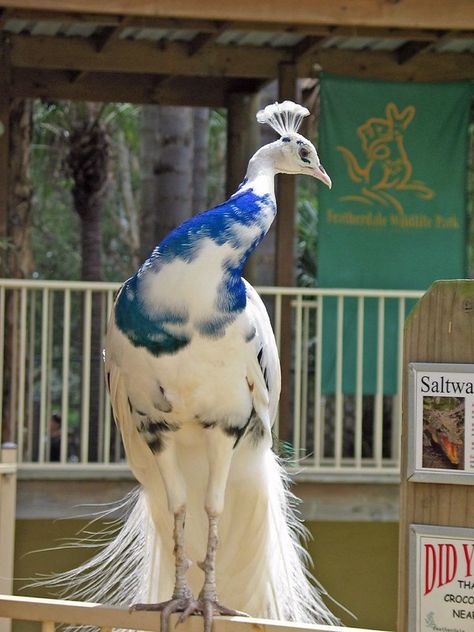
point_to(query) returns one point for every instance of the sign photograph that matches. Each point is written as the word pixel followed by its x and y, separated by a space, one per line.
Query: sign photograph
pixel 441 579
pixel 441 423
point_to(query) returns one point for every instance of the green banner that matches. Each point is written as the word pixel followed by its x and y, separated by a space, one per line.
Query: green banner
pixel 395 217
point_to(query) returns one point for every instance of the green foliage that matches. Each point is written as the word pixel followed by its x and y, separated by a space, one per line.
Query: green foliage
pixel 56 228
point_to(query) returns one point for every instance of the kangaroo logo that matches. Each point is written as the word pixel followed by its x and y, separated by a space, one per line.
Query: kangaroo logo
pixel 388 168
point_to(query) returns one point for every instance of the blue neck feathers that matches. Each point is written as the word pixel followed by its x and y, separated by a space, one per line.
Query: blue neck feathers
pixel 219 224
pixel 241 222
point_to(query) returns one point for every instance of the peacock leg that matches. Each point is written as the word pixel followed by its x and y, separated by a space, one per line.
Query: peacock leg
pixel 182 595
pixel 181 588
pixel 176 491
pixel 220 450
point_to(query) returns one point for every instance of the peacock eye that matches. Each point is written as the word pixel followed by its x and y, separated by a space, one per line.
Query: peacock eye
pixel 304 153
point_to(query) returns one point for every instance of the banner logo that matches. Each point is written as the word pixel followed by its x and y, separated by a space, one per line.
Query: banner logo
pixel 387 169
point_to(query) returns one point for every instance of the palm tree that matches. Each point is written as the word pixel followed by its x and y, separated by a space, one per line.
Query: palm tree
pixel 88 159
pixel 89 162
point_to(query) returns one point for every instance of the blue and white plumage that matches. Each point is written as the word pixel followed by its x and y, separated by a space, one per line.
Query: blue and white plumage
pixel 194 380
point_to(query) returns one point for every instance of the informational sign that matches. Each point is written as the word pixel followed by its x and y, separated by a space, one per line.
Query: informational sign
pixel 441 579
pixel 441 423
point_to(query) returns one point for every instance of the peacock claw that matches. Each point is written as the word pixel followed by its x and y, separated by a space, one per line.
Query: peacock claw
pixel 188 606
pixel 167 608
pixel 208 608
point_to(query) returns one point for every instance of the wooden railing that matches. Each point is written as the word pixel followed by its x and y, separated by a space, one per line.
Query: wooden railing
pixel 49 612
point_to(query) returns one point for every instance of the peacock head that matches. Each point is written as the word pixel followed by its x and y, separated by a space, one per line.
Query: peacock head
pixel 292 153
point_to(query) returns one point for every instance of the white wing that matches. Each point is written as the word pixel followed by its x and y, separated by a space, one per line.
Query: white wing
pixel 264 369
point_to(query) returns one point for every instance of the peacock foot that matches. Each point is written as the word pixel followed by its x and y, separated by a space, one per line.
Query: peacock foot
pixel 167 608
pixel 188 606
pixel 208 607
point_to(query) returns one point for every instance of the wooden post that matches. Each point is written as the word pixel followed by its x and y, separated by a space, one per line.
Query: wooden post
pixel 286 194
pixel 4 141
pixel 242 136
pixel 7 523
pixel 439 329
pixel 285 258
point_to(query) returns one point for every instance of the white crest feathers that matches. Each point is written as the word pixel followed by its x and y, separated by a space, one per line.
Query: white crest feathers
pixel 284 118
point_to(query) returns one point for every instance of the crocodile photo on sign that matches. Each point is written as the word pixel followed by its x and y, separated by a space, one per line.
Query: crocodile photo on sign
pixel 443 432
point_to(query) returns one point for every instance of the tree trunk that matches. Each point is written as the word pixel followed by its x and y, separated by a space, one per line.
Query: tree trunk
pixel 200 161
pixel 91 246
pixel 129 224
pixel 167 180
pixel 18 254
pixel 89 163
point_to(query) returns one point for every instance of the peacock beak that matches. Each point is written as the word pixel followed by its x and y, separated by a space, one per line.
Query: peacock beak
pixel 320 173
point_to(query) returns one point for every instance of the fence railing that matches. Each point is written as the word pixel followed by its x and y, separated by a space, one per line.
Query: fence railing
pixel 49 612
pixel 345 366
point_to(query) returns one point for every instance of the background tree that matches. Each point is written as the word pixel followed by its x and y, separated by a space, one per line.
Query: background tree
pixel 167 144
pixel 88 158
pixel 17 253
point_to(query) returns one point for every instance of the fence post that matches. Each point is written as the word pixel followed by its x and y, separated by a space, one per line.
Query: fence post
pixel 7 522
pixel 440 329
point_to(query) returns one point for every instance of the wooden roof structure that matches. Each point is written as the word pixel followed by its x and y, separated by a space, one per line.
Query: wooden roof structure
pixel 198 52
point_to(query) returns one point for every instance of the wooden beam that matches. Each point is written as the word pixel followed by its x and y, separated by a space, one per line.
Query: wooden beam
pixel 111 87
pixel 4 16
pixel 203 39
pixel 144 57
pixel 410 50
pixel 111 34
pixel 65 17
pixel 80 613
pixel 308 46
pixel 384 65
pixel 104 20
pixel 213 26
pixel 436 14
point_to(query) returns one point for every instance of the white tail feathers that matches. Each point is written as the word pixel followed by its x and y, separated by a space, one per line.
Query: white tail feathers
pixel 284 118
pixel 261 564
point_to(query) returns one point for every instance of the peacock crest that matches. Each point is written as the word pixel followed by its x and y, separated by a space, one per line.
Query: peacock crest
pixel 284 118
pixel 387 167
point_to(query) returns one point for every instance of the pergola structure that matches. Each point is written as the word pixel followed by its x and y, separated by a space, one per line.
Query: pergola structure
pixel 218 52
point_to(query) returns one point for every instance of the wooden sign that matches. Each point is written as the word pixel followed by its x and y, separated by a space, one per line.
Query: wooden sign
pixel 441 579
pixel 439 331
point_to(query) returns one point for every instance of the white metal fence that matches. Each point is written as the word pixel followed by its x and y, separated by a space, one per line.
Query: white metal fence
pixel 342 353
